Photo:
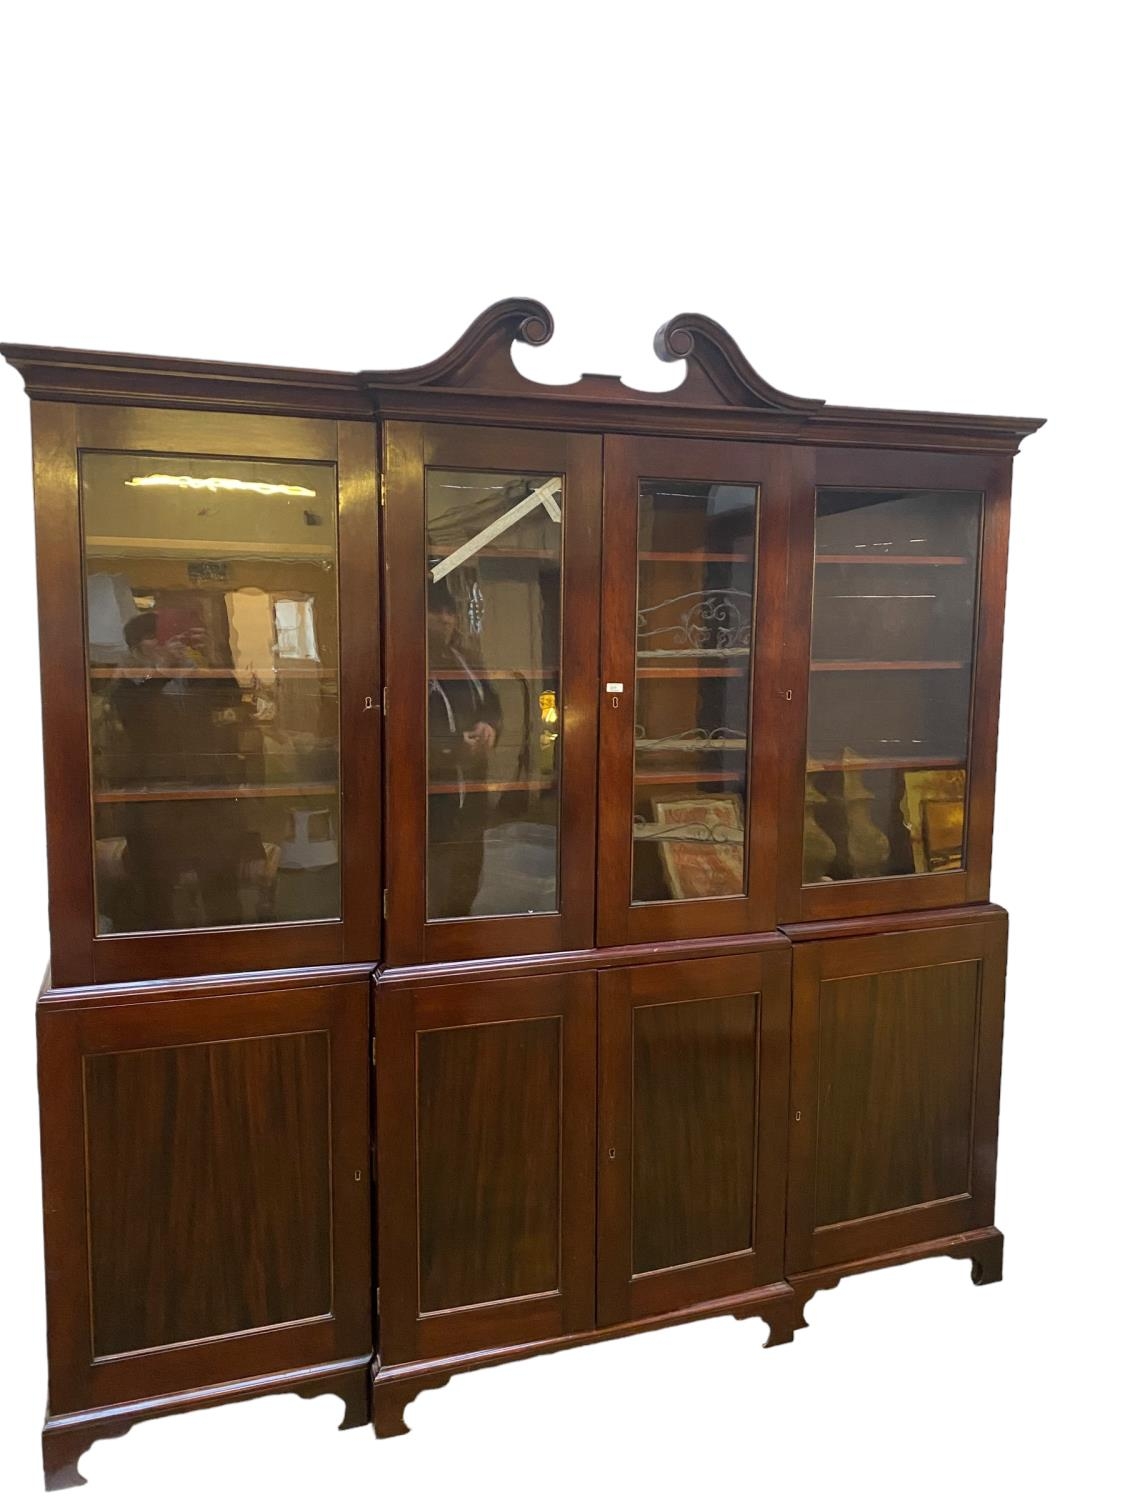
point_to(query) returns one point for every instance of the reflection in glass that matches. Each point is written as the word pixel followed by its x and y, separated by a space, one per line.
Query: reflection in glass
pixel 894 615
pixel 212 655
pixel 694 649
pixel 495 706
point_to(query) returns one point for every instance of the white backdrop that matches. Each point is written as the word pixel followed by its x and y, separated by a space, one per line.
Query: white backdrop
pixel 894 205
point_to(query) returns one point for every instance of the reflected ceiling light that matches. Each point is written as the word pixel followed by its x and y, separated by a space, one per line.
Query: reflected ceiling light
pixel 214 485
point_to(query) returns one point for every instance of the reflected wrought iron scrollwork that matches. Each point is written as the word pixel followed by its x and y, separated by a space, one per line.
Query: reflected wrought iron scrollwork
pixel 712 623
pixel 687 833
pixel 696 739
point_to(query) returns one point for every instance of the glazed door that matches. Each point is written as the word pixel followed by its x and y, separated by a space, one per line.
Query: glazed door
pixel 206 1189
pixel 485 1125
pixel 694 540
pixel 693 1061
pixel 896 617
pixel 492 551
pixel 206 717
pixel 895 1090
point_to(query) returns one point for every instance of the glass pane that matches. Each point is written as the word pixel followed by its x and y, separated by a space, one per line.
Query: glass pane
pixel 495 706
pixel 695 641
pixel 894 611
pixel 214 718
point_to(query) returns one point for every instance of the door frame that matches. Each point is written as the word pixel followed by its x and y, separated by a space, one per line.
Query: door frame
pixel 623 1296
pixel 401 1014
pixel 67 1036
pixel 80 955
pixel 629 460
pixel 409 449
pixel 991 476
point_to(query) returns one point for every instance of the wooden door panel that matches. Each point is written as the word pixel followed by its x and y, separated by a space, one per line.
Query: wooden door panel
pixel 488 1096
pixel 208 1158
pixel 486 1117
pixel 694 1102
pixel 206 1190
pixel 895 1087
pixel 693 1059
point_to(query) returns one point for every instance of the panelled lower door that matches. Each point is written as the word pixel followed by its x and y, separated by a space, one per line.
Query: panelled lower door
pixel 206 1189
pixel 895 1090
pixel 692 1102
pixel 486 1119
pixel 694 540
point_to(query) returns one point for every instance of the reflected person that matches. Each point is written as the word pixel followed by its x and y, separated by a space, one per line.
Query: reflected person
pixel 464 725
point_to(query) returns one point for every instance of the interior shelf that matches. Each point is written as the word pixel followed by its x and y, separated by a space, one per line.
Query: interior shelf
pixel 708 557
pixel 495 674
pixel 669 778
pixel 528 784
pixel 906 560
pixel 691 671
pixel 887 763
pixel 136 674
pixel 221 793
pixel 889 666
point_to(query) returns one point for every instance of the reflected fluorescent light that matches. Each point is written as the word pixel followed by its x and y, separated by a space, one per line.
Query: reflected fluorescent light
pixel 214 485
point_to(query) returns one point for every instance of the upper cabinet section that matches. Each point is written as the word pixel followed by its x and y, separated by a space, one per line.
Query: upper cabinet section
pixel 224 709
pixel 493 616
pixel 659 664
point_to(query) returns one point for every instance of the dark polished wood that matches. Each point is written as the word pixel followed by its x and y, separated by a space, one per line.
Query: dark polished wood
pixel 692 1103
pixel 476 380
pixel 627 462
pixel 395 1386
pixel 230 1237
pixel 66 1439
pixel 991 477
pixel 588 1123
pixel 485 1129
pixel 79 956
pixel 895 1090
pixel 409 450
pixel 983 1248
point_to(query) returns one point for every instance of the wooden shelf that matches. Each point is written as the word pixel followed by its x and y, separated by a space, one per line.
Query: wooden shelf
pixel 907 560
pixel 542 553
pixel 889 666
pixel 222 793
pixel 694 671
pixel 227 551
pixel 695 556
pixel 888 763
pixel 494 674
pixel 532 784
pixel 139 674
pixel 670 778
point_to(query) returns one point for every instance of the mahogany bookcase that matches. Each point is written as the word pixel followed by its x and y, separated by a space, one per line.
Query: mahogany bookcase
pixel 518 862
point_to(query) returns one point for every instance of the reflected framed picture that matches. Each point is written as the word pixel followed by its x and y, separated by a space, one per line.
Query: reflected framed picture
pixel 933 809
pixel 703 850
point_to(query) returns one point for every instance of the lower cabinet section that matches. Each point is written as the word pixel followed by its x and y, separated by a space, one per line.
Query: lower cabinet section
pixel 693 1061
pixel 511 1113
pixel 486 1098
pixel 895 1090
pixel 206 1189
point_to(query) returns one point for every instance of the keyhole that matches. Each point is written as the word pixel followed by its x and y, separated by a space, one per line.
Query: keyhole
pixel 614 702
